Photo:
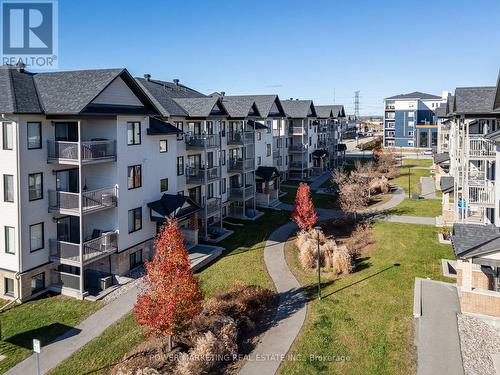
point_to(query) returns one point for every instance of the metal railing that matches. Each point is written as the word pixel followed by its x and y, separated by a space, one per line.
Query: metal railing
pixel 238 192
pixel 480 147
pixel 66 280
pixel 298 164
pixel 297 147
pixel 68 251
pixel 240 137
pixel 212 205
pixel 90 150
pixel 197 175
pixel 240 165
pixel 91 200
pixel 202 140
pixel 296 130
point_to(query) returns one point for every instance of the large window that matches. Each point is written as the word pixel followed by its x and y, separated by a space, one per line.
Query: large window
pixel 38 283
pixel 133 133
pixel 10 240
pixel 223 185
pixel 34 135
pixel 8 135
pixel 180 165
pixel 268 149
pixel 8 287
pixel 163 146
pixel 8 188
pixel 180 125
pixel 210 190
pixel 36 237
pixel 135 219
pixel 163 184
pixel 223 157
pixel 35 186
pixel 134 177
pixel 136 259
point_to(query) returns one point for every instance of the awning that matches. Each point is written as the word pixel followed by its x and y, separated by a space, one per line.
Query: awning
pixel 267 173
pixel 172 206
pixel 159 127
pixel 441 158
pixel 320 154
pixel 447 184
pixel 475 240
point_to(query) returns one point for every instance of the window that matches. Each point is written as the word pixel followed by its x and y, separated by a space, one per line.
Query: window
pixel 410 133
pixel 180 165
pixel 8 188
pixel 411 123
pixel 259 136
pixel 223 157
pixel 34 135
pixel 210 127
pixel 134 177
pixel 135 259
pixel 135 219
pixel 268 149
pixel 411 114
pixel 410 143
pixel 9 286
pixel 163 146
pixel 310 141
pixel 10 241
pixel 310 158
pixel 163 184
pixel 35 186
pixel 269 125
pixel 36 237
pixel 223 187
pixel 259 160
pixel 286 160
pixel 38 283
pixel 133 133
pixel 180 125
pixel 8 136
pixel 210 190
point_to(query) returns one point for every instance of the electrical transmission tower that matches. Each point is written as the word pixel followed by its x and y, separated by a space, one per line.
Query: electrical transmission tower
pixel 356 104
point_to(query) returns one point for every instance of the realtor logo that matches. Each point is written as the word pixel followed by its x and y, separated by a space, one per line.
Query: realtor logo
pixel 29 33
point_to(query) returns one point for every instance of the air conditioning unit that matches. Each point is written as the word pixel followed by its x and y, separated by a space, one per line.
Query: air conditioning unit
pixel 106 282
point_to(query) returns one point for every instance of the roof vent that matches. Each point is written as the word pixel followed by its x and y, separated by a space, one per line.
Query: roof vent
pixel 291 98
pixel 176 81
pixel 147 77
pixel 20 66
pixel 222 93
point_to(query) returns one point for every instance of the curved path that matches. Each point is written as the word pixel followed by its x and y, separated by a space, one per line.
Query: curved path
pixel 277 341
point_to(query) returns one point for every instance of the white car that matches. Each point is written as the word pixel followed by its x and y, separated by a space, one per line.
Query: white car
pixel 427 152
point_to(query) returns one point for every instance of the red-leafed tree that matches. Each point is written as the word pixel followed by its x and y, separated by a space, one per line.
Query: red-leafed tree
pixel 304 214
pixel 172 294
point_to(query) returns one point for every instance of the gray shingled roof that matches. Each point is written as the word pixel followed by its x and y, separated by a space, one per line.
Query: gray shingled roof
pixel 197 107
pixel 447 184
pixel 473 240
pixel 474 99
pixel 338 110
pixel 240 106
pixel 298 108
pixel 450 105
pixel 441 111
pixel 324 111
pixel 264 103
pixel 441 158
pixel 415 95
pixel 496 103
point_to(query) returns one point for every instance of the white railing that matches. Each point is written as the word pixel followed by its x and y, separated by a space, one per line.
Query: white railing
pixel 90 150
pixel 296 130
pixel 480 147
pixel 91 200
pixel 482 194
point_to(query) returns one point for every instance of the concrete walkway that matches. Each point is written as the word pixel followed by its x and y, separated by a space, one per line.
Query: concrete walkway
pixel 437 335
pixel 428 188
pixel 320 180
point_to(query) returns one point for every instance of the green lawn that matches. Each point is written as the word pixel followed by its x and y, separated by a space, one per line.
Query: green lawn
pixel 421 207
pixel 414 180
pixel 367 316
pixel 44 318
pixel 417 162
pixel 319 200
pixel 242 262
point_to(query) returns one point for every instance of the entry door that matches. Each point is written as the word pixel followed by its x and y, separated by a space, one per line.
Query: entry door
pixel 67 180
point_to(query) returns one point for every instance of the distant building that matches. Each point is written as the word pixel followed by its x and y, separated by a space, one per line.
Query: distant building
pixel 410 120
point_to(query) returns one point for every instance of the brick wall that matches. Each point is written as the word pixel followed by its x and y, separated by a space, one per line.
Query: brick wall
pixel 483 279
pixel 487 304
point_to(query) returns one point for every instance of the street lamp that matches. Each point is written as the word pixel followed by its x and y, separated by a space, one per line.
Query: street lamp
pixel 318 230
pixel 409 183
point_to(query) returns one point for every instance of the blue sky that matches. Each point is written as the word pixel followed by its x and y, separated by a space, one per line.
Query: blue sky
pixel 299 49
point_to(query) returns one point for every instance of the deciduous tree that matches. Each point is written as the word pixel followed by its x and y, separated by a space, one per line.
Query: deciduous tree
pixel 304 214
pixel 172 295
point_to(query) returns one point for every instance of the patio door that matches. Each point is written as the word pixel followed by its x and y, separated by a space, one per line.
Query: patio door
pixel 66 131
pixel 68 229
pixel 195 194
pixel 67 180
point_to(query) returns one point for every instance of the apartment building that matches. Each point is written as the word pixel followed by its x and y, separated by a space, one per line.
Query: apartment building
pixel 329 134
pixel 87 177
pixel 468 147
pixel 303 137
pixel 410 120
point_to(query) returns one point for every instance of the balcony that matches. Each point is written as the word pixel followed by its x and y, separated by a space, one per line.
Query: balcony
pixel 69 253
pixel 390 108
pixel 278 133
pixel 212 206
pixel 482 195
pixel 202 141
pixel 240 165
pixel 297 130
pixel 241 193
pixel 201 175
pixel 276 154
pixel 481 148
pixel 65 280
pixel 298 147
pixel 298 165
pixel 67 203
pixel 241 138
pixel 63 152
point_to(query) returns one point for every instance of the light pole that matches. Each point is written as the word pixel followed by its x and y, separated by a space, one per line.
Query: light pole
pixel 409 183
pixel 318 230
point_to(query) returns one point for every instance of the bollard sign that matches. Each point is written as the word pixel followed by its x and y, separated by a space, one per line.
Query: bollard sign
pixel 36 346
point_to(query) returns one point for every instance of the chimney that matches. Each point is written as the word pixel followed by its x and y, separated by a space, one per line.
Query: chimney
pixel 222 93
pixel 20 66
pixel 147 77
pixel 176 81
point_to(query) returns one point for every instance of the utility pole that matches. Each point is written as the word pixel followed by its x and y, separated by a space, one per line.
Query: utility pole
pixel 356 104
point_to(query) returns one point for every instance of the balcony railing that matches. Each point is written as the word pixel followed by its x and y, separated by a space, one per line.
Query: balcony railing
pixel 91 151
pixel 240 138
pixel 297 130
pixel 482 148
pixel 483 195
pixel 201 175
pixel 66 280
pixel 298 164
pixel 63 201
pixel 240 165
pixel 297 147
pixel 278 132
pixel 212 206
pixel 390 108
pixel 61 251
pixel 240 193
pixel 202 141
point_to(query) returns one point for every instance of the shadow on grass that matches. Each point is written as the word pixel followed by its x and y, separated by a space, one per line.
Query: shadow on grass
pixel 45 334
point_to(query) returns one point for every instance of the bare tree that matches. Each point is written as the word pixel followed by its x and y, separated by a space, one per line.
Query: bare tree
pixel 353 191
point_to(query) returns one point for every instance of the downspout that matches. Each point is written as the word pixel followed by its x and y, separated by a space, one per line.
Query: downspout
pixel 19 220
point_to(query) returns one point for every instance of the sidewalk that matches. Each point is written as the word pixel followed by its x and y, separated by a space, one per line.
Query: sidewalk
pixel 428 188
